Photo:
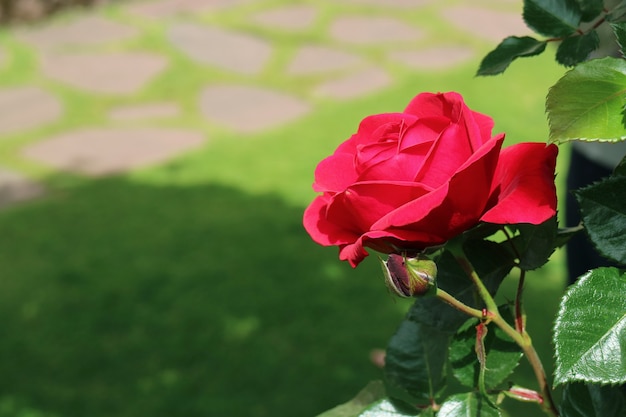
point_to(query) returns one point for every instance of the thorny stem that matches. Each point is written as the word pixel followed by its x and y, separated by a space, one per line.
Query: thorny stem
pixel 520 336
pixel 520 324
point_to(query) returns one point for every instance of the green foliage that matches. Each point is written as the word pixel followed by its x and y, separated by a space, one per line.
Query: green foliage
pixel 588 102
pixel 508 50
pixel 468 405
pixel 386 408
pixel 554 18
pixel 535 243
pixel 620 34
pixel 415 363
pixel 590 9
pixel 590 330
pixel 502 355
pixel 603 211
pixel 374 392
pixel 586 400
pixel 492 261
pixel 620 169
pixel 576 49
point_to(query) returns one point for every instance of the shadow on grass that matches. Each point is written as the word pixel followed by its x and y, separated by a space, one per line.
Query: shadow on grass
pixel 120 299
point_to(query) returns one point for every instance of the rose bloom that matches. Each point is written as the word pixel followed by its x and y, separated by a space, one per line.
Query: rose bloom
pixel 407 181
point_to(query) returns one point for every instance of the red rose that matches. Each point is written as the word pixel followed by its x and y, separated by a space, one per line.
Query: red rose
pixel 407 181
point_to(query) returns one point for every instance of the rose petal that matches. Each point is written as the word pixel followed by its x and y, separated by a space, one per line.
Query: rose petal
pixel 384 241
pixel 321 230
pixel 335 173
pixel 424 130
pixel 451 106
pixel 523 189
pixel 453 206
pixel 390 165
pixel 373 127
pixel 445 157
pixel 479 127
pixel 364 203
pixel 430 104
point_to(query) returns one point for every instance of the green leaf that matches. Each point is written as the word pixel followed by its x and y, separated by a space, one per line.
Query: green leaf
pixel 576 49
pixel 417 353
pixel 590 9
pixel 373 392
pixel 581 400
pixel 587 103
pixel 603 212
pixel 536 243
pixel 620 169
pixel 590 330
pixel 492 261
pixel 386 408
pixel 553 18
pixel 496 61
pixel 415 363
pixel 620 33
pixel 617 13
pixel 503 355
pixel 467 405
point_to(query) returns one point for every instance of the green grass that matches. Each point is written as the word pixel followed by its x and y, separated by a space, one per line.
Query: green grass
pixel 191 289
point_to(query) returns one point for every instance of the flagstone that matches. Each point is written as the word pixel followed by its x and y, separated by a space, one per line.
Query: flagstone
pixel 355 85
pixel 367 30
pixel 14 187
pixel 104 72
pixel 433 58
pixel 27 107
pixel 224 49
pixel 102 151
pixel 167 8
pixel 88 30
pixel 400 4
pixel 491 25
pixel 312 59
pixel 294 18
pixel 145 111
pixel 248 109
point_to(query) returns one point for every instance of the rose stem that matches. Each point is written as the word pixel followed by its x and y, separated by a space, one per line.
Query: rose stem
pixel 522 339
pixel 464 308
pixel 519 315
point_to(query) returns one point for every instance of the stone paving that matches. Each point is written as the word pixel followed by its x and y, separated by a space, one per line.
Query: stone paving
pixel 98 55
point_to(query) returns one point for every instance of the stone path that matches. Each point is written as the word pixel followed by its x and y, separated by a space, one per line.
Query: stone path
pixel 109 58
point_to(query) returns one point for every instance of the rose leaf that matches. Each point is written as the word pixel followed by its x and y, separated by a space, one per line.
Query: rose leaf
pixel 498 60
pixel 590 330
pixel 620 34
pixel 471 404
pixel 587 103
pixel 603 211
pixel 588 400
pixel 502 355
pixel 590 9
pixel 576 49
pixel 553 18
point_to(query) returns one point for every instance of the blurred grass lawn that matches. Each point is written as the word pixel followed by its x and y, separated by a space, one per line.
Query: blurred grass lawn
pixel 191 289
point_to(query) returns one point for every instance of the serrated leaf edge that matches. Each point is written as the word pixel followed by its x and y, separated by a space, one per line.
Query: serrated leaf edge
pixel 563 380
pixel 557 137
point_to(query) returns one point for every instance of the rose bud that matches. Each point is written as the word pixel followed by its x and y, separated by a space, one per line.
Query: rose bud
pixel 409 277
pixel 524 394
